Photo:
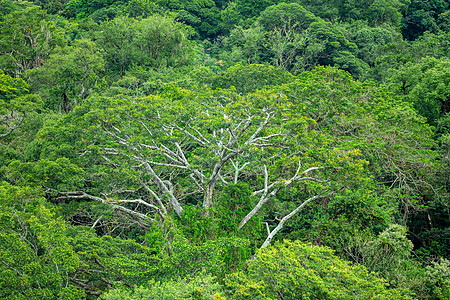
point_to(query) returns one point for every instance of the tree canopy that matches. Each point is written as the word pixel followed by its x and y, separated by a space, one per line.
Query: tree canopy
pixel 224 149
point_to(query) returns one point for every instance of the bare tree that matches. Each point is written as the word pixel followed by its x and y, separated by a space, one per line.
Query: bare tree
pixel 185 150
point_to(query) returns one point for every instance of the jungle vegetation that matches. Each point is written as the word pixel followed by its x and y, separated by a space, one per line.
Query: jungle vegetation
pixel 224 149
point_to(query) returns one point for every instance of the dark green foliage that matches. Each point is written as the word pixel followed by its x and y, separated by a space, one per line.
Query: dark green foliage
pixel 172 138
pixel 423 16
pixel 141 9
pixel 203 15
pixel 432 45
pixel 233 204
pixel 51 6
pixel 69 75
pixel 196 226
pixel 426 85
pixel 217 257
pixel 251 9
pixel 374 12
pixel 336 50
pixel 60 174
pixel 79 9
pixel 290 37
pixel 369 40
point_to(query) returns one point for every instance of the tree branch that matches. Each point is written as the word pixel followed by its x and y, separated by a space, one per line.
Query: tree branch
pixel 14 127
pixel 142 219
pixel 290 215
pixel 266 196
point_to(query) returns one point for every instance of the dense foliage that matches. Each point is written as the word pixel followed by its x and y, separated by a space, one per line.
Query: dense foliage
pixel 224 149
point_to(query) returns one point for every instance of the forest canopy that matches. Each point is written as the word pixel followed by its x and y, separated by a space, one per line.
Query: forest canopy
pixel 224 149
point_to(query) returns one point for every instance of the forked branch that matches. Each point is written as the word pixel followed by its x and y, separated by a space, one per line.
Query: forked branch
pixel 290 215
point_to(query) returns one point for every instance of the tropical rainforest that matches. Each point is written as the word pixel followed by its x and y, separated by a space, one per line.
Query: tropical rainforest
pixel 224 149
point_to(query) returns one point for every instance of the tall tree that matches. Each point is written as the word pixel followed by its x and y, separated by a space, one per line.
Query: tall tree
pixel 184 145
pixel 155 42
pixel 15 103
pixel 68 76
pixel 36 259
pixel 28 36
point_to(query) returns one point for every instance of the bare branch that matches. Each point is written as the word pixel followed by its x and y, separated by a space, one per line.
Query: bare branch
pixel 89 289
pixel 196 183
pixel 166 165
pixel 222 179
pixel 244 128
pixel 265 138
pixel 158 199
pixel 12 268
pixel 96 221
pixel 13 127
pixel 261 127
pixel 290 215
pixel 173 201
pixel 183 158
pixel 237 169
pixel 140 201
pixel 203 143
pixel 201 135
pixel 145 127
pixel 268 145
pixel 142 219
pixel 266 195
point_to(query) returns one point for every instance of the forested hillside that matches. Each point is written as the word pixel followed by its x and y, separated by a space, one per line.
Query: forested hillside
pixel 202 149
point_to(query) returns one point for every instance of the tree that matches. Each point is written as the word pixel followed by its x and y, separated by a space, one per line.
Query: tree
pixel 431 96
pixel 397 178
pixel 344 111
pixel 327 45
pixel 369 40
pixel 109 261
pixel 200 287
pixel 246 45
pixel 426 85
pixel 294 270
pixel 142 8
pixel 290 37
pixel 68 76
pixel 28 36
pixel 155 42
pixel 251 9
pixel 422 16
pixel 156 154
pixel 52 7
pixel 375 12
pixel 286 26
pixel 202 15
pixel 280 15
pixel 36 259
pixel 164 149
pixel 432 45
pixel 15 103
pixel 115 39
pixel 245 78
